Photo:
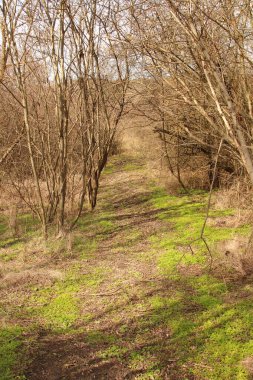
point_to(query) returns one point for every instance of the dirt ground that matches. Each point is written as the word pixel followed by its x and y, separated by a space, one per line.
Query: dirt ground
pixel 123 297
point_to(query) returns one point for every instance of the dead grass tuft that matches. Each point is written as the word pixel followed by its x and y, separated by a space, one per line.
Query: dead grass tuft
pixel 248 364
pixel 44 277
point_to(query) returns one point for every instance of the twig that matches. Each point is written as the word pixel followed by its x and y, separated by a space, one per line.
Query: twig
pixel 211 190
pixel 208 209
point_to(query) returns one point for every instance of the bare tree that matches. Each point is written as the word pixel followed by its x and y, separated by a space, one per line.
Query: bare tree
pixel 70 77
pixel 202 50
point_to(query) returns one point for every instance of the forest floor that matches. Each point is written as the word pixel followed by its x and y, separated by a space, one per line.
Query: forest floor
pixel 125 297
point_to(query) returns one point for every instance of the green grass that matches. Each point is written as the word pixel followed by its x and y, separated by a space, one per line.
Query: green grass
pixel 209 335
pixel 28 222
pixel 97 222
pixel 85 247
pixel 221 335
pixel 114 351
pixel 193 326
pixel 10 344
pixel 122 163
pixel 97 337
pixel 95 278
pixel 132 166
pixel 62 312
pixel 3 225
pixel 58 307
pixel 186 215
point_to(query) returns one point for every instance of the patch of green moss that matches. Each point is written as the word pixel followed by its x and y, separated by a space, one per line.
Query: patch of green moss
pixel 10 249
pixel 219 213
pixel 132 166
pixel 10 342
pixel 8 256
pixel 225 338
pixel 207 284
pixel 62 312
pixel 123 163
pixel 150 375
pixel 186 214
pixel 97 222
pixel 95 278
pixel 57 306
pixel 54 246
pixel 13 242
pixel 3 225
pixel 114 351
pixel 109 169
pixel 206 331
pixel 161 199
pixel 29 223
pixel 130 238
pixel 85 247
pixel 105 226
pixel 146 363
pixel 163 308
pixel 98 337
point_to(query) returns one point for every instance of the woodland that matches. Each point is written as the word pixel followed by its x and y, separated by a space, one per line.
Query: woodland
pixel 126 178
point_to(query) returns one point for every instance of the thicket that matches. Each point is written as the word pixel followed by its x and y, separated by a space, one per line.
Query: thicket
pixel 63 83
pixel 70 70
pixel 197 57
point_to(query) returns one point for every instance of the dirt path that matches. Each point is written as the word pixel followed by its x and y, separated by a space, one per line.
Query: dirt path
pixel 118 305
pixel 124 297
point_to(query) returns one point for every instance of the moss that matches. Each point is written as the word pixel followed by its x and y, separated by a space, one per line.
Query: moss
pixel 8 256
pixel 57 306
pixel 228 339
pixel 150 375
pixel 29 223
pixel 164 308
pixel 9 242
pixel 10 343
pixel 123 163
pixel 114 351
pixel 186 215
pixel 219 213
pixel 98 337
pixel 192 326
pixel 95 278
pixel 132 166
pixel 105 226
pixel 85 247
pixel 217 336
pixel 144 362
pixel 131 237
pixel 109 169
pixel 62 312
pixel 97 222
pixel 3 225
pixel 54 246
pixel 11 247
pixel 205 329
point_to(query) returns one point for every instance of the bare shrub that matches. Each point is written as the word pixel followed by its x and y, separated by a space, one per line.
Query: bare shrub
pixel 12 222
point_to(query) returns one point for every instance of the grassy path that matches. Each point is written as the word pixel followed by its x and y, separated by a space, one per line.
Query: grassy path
pixel 130 301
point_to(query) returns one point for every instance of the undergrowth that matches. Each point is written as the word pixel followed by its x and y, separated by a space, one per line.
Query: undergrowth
pixel 10 342
pixel 182 323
